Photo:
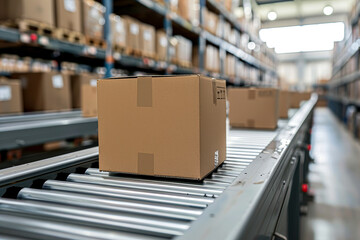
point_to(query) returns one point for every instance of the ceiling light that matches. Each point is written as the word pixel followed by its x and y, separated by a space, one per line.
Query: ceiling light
pixel 328 10
pixel 272 15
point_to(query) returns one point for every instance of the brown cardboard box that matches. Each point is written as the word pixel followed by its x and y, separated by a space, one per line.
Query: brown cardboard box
pixel 68 14
pixel 253 108
pixel 77 81
pixel 284 103
pixel 171 126
pixel 132 33
pixel 210 21
pixel 88 99
pixel 10 96
pixel 189 10
pixel 45 91
pixel 93 19
pixel 161 45
pixel 118 29
pixel 37 10
pixel 297 97
pixel 147 40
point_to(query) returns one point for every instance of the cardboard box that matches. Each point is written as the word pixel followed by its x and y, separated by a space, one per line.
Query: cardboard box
pixel 68 14
pixel 93 19
pixel 77 81
pixel 253 108
pixel 147 40
pixel 161 45
pixel 37 10
pixel 10 96
pixel 132 33
pixel 284 103
pixel 189 10
pixel 210 21
pixel 88 99
pixel 297 97
pixel 45 91
pixel 172 126
pixel 118 30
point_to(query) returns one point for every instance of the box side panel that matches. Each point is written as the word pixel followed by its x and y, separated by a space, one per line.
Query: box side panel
pixel 212 124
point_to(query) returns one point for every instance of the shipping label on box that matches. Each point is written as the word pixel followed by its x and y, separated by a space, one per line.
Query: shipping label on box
pixel 172 126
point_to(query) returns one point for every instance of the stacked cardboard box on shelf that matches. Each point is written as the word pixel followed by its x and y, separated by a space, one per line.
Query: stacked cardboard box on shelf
pixel 253 108
pixel 212 59
pixel 10 96
pixel 181 51
pixel 189 10
pixel 93 19
pixel 161 45
pixel 147 40
pixel 77 81
pixel 210 21
pixel 68 14
pixel 118 30
pixel 45 91
pixel 36 10
pixel 133 35
pixel 190 106
pixel 230 63
pixel 89 100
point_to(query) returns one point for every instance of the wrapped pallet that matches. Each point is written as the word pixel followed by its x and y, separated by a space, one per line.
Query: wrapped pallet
pixel 147 40
pixel 93 19
pixel 118 29
pixel 161 45
pixel 133 44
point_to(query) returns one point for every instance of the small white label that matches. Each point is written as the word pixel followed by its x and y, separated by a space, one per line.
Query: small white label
pixel 94 13
pixel 163 41
pixel 216 158
pixel 93 82
pixel 119 27
pixel 134 28
pixel 147 35
pixel 57 81
pixel 70 5
pixel 5 93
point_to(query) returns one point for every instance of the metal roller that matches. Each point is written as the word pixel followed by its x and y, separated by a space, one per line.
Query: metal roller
pixel 146 185
pixel 92 189
pixel 93 218
pixel 111 204
pixel 172 182
pixel 41 229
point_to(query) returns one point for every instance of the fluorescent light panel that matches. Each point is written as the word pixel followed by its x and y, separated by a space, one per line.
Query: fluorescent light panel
pixel 305 38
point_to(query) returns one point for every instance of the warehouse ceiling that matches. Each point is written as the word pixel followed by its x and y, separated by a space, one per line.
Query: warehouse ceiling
pixel 300 9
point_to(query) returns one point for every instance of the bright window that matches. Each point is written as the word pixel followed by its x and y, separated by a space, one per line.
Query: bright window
pixel 306 38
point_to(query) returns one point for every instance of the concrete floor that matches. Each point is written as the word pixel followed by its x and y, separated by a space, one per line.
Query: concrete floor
pixel 335 180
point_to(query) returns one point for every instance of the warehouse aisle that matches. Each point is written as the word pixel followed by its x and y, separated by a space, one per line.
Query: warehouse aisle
pixel 335 180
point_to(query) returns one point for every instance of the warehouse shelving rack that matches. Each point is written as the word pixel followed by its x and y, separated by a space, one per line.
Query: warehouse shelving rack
pixel 60 50
pixel 343 89
pixel 25 44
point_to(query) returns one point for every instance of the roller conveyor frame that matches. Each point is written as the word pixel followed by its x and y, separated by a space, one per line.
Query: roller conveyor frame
pixel 245 198
pixel 36 128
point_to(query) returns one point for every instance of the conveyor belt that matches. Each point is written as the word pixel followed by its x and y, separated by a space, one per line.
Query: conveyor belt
pixel 84 203
pixel 31 129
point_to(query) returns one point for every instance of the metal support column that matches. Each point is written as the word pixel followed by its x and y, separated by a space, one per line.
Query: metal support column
pixel 202 40
pixel 169 33
pixel 109 60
